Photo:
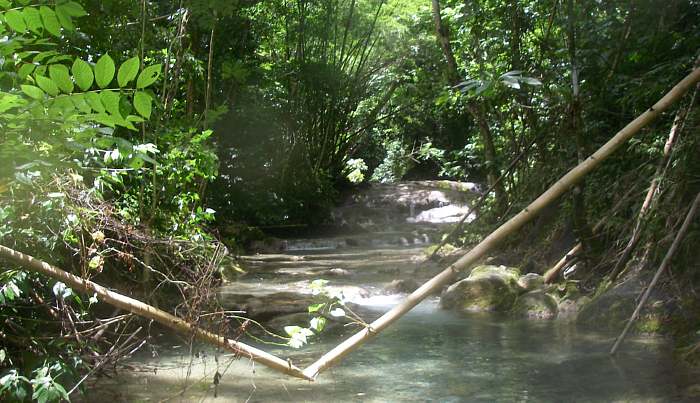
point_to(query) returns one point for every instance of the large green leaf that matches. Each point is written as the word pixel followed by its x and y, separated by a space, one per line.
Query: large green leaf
pixel 142 104
pixel 104 71
pixel 64 17
pixel 148 76
pixel 59 74
pixel 105 119
pixel 48 16
pixel 80 102
pixel 25 70
pixel 95 102
pixel 110 99
pixel 15 20
pixel 47 85
pixel 32 91
pixel 128 71
pixel 33 19
pixel 9 101
pixel 73 9
pixel 82 73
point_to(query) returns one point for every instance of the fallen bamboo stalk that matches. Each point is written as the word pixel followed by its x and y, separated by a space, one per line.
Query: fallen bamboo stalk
pixel 652 193
pixel 551 274
pixel 512 225
pixel 676 128
pixel 150 312
pixel 476 210
pixel 667 259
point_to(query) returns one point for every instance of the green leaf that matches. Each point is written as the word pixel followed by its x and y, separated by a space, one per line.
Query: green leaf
pixel 64 17
pixel 47 85
pixel 318 323
pixel 59 74
pixel 142 104
pixel 104 71
pixel 80 102
pixel 7 102
pixel 62 105
pixel 316 307
pixel 110 99
pixel 15 20
pixel 95 102
pixel 128 71
pixel 44 55
pixel 134 119
pixel 148 76
pixel 33 20
pixel 4 4
pixel 82 73
pixel 50 21
pixel 25 70
pixel 105 119
pixel 73 9
pixel 32 91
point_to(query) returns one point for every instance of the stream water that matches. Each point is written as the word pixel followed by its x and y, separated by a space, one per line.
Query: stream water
pixel 428 355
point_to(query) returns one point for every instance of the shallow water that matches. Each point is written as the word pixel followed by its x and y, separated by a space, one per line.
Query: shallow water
pixel 429 355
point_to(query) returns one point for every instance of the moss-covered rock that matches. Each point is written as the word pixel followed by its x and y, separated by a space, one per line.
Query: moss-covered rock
pixel 488 288
pixel 569 308
pixel 511 274
pixel 611 309
pixel 531 281
pixel 535 305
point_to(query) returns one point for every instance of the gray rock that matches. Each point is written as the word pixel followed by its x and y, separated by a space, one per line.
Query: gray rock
pixel 402 286
pixel 535 305
pixel 569 308
pixel 531 281
pixel 488 288
pixel 269 305
pixel 611 309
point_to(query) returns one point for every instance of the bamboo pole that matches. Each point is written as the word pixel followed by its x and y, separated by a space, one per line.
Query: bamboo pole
pixel 512 225
pixel 676 128
pixel 667 259
pixel 652 194
pixel 150 312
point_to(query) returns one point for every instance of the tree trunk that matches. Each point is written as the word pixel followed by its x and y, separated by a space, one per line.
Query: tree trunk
pixel 443 37
pixel 476 110
pixel 579 206
pixel 149 312
pixel 513 225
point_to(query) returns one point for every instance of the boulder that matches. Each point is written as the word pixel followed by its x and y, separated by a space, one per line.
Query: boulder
pixel 569 308
pixel 265 306
pixel 535 305
pixel 402 286
pixel 531 281
pixel 488 288
pixel 610 309
pixel 509 273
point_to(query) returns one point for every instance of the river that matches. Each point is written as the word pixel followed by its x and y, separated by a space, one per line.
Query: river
pixel 429 355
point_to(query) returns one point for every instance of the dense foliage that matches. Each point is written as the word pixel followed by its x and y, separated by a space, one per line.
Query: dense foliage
pixel 127 127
